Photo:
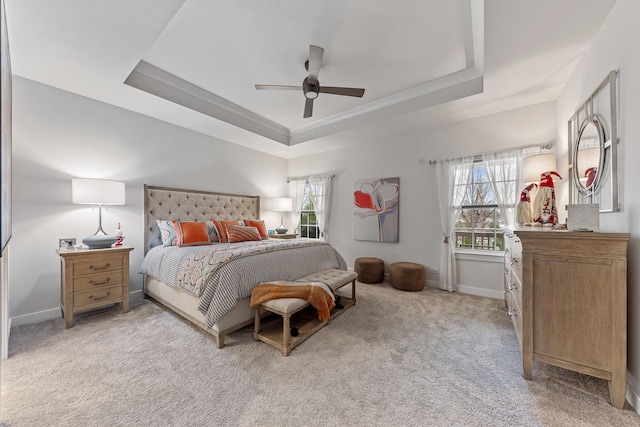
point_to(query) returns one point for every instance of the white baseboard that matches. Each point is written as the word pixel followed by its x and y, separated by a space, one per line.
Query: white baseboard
pixel 54 313
pixel 633 397
pixel 470 290
pixel 481 292
pixel 36 317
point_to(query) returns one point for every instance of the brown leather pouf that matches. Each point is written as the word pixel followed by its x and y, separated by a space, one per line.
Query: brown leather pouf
pixel 370 270
pixel 407 276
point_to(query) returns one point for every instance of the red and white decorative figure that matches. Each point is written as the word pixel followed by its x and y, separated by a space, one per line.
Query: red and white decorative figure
pixel 119 236
pixel 591 176
pixel 523 213
pixel 545 211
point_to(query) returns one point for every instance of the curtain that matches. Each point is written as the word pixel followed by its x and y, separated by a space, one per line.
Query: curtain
pixel 502 171
pixel 319 193
pixel 453 178
pixel 296 189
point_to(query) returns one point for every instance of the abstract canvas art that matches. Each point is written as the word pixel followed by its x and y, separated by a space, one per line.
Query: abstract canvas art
pixel 375 209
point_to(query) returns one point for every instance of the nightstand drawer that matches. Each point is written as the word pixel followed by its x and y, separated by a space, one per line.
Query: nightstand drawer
pixel 88 299
pixel 101 265
pixel 97 281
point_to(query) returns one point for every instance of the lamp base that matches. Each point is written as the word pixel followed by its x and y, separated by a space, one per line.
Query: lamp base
pixel 99 242
pixel 282 230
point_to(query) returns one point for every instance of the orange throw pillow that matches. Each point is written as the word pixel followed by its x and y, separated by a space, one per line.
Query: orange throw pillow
pixel 191 233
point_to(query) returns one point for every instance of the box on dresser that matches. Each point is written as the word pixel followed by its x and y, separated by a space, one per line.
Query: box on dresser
pixel 567 296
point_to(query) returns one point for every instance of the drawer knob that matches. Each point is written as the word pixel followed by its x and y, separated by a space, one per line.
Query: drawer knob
pixel 94 298
pixel 514 261
pixel 94 283
pixel 93 267
pixel 513 313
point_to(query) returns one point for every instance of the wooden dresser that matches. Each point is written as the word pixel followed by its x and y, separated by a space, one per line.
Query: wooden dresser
pixel 92 278
pixel 567 297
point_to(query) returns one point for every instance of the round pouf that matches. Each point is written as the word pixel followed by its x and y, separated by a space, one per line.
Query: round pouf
pixel 407 276
pixel 370 270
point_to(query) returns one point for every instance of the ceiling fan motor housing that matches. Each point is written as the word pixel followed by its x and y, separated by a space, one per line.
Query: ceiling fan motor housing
pixel 310 90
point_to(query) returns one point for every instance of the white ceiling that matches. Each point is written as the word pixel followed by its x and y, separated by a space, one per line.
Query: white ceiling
pixel 422 62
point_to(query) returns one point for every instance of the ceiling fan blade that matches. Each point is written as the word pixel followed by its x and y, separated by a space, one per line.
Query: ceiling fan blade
pixel 278 87
pixel 308 108
pixel 315 60
pixel 346 91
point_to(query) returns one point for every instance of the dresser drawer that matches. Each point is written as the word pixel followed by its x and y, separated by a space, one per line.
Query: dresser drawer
pixel 97 297
pixel 97 281
pixel 516 316
pixel 101 265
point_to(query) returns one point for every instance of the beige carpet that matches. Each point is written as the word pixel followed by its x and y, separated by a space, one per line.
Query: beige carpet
pixel 394 359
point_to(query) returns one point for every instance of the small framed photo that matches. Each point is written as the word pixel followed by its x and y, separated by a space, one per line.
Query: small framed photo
pixel 67 243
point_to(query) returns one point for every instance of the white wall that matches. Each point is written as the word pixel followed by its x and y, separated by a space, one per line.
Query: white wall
pixel 58 136
pixel 408 158
pixel 613 48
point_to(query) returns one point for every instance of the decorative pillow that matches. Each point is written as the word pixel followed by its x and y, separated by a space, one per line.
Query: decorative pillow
pixel 167 232
pixel 239 233
pixel 191 233
pixel 212 231
pixel 222 230
pixel 259 224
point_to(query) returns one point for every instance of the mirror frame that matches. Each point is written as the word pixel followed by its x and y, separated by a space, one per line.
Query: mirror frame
pixel 608 136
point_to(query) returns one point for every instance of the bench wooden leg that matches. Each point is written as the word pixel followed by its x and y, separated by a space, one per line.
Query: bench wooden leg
pixel 286 334
pixel 256 324
pixel 353 291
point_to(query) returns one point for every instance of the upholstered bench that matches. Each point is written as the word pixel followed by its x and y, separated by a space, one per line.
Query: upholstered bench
pixel 407 276
pixel 309 324
pixel 369 269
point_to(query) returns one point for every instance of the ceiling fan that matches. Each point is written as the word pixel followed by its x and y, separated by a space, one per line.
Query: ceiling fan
pixel 311 86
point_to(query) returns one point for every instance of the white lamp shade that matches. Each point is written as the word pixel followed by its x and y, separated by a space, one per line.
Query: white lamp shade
pixel 282 204
pixel 97 192
pixel 534 166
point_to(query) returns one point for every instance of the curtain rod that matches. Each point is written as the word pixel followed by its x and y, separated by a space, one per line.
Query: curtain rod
pixel 289 179
pixel 548 146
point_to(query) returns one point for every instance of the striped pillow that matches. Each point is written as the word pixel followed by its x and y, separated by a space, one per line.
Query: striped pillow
pixel 243 234
pixel 221 228
pixel 259 224
pixel 191 233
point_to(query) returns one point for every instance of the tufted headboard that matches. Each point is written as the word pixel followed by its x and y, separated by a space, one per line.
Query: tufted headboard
pixel 192 205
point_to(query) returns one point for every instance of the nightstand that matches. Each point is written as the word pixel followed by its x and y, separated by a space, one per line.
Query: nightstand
pixel 91 278
pixel 283 236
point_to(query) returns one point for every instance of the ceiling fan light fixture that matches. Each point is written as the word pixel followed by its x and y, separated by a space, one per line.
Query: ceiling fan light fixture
pixel 310 90
pixel 311 86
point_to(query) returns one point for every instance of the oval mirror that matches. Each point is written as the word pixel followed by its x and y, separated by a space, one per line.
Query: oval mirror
pixel 589 156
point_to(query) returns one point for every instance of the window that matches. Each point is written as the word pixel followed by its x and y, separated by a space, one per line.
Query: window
pixel 308 222
pixel 480 223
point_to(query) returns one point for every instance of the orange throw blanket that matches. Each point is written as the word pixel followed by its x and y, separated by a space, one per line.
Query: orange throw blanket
pixel 319 295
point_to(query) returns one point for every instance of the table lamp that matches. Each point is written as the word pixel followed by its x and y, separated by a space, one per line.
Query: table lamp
pixel 97 192
pixel 282 204
pixel 534 166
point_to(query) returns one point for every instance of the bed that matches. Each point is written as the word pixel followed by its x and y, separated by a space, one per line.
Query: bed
pixel 218 301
